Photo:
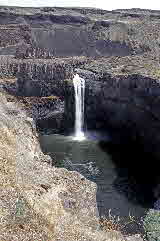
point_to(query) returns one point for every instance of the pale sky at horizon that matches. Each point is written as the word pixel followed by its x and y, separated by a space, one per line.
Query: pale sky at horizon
pixel 108 5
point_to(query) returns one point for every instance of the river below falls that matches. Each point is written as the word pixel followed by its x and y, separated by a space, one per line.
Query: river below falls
pixel 89 159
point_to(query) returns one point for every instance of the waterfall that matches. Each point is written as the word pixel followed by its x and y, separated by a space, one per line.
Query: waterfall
pixel 79 88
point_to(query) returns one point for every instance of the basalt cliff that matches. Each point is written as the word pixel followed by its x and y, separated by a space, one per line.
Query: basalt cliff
pixel 117 53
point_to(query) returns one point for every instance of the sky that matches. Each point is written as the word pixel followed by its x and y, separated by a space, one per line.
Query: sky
pixel 104 4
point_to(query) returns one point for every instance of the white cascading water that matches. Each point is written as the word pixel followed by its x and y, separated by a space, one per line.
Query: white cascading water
pixel 79 88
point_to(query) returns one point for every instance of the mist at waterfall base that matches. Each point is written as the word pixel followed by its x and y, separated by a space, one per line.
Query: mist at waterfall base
pixel 117 189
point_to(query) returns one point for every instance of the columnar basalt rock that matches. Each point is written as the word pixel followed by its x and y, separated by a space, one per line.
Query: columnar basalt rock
pixel 125 105
pixel 117 53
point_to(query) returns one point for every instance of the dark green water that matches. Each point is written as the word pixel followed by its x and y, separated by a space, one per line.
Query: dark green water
pixel 89 159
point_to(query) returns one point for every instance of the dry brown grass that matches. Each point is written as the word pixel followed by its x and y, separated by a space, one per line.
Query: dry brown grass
pixel 7 157
pixel 110 223
pixel 52 97
pixel 8 80
pixel 18 221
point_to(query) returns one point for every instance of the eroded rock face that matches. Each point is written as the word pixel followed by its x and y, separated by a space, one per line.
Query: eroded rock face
pixel 43 79
pixel 77 32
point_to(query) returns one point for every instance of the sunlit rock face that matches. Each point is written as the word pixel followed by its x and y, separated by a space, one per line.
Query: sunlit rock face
pixel 61 33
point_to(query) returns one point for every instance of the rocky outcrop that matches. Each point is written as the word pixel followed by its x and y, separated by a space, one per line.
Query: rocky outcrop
pixel 94 32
